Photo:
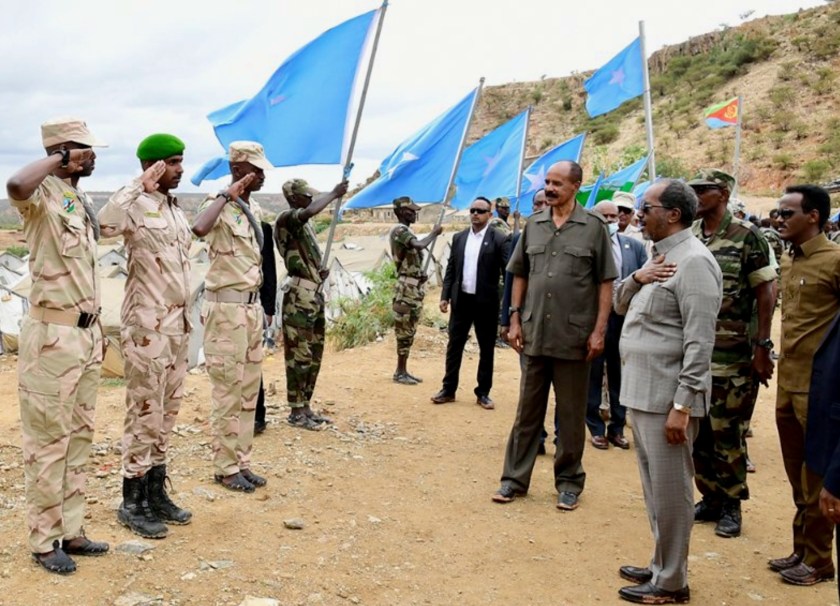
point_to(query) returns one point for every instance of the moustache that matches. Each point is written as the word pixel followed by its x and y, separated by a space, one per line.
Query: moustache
pixel 550 195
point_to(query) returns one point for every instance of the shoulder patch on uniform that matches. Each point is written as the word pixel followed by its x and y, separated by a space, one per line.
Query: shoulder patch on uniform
pixel 69 202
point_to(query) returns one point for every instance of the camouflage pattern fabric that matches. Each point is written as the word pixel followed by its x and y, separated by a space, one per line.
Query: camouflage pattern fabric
pixel 775 241
pixel 296 242
pixel 234 249
pixel 408 298
pixel 720 449
pixel 58 366
pixel 303 342
pixel 58 374
pixel 501 226
pixel 233 354
pixel 155 367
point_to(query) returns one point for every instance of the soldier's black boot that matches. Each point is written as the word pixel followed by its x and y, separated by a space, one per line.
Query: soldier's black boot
pixel 134 512
pixel 729 525
pixel 707 510
pixel 162 506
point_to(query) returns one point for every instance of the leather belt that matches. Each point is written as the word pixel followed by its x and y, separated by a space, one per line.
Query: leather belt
pixel 409 281
pixel 304 283
pixel 228 295
pixel 65 318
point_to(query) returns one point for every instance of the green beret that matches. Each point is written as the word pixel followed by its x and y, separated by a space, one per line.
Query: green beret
pixel 159 146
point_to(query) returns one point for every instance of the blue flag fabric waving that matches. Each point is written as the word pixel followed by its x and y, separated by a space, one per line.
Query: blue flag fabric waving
pixel 621 79
pixel 422 165
pixel 630 174
pixel 592 200
pixel 533 178
pixel 490 166
pixel 300 115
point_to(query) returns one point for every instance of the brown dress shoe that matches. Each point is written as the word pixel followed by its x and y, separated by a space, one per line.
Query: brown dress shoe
pixel 619 441
pixel 442 397
pixel 780 564
pixel 802 574
pixel 600 442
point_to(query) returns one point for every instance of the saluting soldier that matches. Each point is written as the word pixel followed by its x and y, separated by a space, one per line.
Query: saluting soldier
pixel 232 314
pixel 303 323
pixel 61 343
pixel 155 328
pixel 407 252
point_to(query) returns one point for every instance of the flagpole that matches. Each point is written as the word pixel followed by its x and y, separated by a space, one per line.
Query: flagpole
pixel 521 170
pixel 648 110
pixel 448 193
pixel 348 163
pixel 737 160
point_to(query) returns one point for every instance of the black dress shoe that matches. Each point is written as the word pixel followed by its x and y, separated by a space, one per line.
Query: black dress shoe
pixel 507 493
pixel 634 574
pixel 485 402
pixel 805 575
pixel 651 594
pixel 729 524
pixel 780 564
pixel 706 511
pixel 442 397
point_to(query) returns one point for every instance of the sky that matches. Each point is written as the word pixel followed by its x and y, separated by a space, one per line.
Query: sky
pixel 130 68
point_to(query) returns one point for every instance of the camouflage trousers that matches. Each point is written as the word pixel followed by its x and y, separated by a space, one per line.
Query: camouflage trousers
pixel 720 449
pixel 407 306
pixel 233 355
pixel 155 367
pixel 304 326
pixel 58 373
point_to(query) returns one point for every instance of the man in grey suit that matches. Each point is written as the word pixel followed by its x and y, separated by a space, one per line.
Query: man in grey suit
pixel 629 255
pixel 671 308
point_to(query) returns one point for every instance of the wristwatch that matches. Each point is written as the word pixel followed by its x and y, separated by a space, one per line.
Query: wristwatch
pixel 65 157
pixel 224 194
pixel 514 310
pixel 765 343
pixel 686 410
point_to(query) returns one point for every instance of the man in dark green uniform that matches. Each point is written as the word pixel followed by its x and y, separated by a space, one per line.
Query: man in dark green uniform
pixel 407 252
pixel 303 302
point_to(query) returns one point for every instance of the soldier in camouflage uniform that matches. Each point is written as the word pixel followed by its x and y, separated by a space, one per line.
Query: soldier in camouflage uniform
pixel 738 362
pixel 155 328
pixel 500 222
pixel 407 252
pixel 303 302
pixel 61 344
pixel 232 314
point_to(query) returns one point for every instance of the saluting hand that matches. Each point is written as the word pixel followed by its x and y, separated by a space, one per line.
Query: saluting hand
pixel 152 175
pixel 238 188
pixel 77 160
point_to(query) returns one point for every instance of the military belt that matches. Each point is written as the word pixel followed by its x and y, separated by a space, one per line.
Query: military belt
pixel 304 283
pixel 227 295
pixel 410 281
pixel 65 318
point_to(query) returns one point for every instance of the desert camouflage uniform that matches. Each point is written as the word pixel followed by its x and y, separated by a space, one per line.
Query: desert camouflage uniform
pixel 303 306
pixel 720 448
pixel 58 364
pixel 233 328
pixel 155 319
pixel 410 289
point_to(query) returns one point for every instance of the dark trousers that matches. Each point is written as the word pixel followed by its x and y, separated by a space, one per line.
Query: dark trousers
pixel 612 360
pixel 259 417
pixel 569 378
pixel 469 312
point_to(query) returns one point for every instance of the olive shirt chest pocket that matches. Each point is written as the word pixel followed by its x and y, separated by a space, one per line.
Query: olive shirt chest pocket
pixel 580 260
pixel 536 258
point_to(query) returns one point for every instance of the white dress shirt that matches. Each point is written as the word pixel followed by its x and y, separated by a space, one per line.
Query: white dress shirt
pixel 616 251
pixel 472 250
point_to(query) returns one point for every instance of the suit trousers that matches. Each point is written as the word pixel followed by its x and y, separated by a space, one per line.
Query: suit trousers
pixel 611 359
pixel 570 380
pixel 667 473
pixel 812 532
pixel 467 312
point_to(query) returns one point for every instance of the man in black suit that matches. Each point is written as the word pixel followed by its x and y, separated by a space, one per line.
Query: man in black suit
pixel 629 255
pixel 471 284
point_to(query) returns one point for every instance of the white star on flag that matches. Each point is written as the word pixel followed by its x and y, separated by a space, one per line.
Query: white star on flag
pixel 406 158
pixel 617 77
pixel 491 161
pixel 535 182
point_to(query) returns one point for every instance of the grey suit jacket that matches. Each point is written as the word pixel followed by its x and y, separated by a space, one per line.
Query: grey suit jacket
pixel 633 254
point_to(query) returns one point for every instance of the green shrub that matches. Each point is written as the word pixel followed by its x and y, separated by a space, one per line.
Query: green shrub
pixel 671 167
pixel 815 171
pixel 17 250
pixel 364 320
pixel 606 134
pixel 784 161
pixel 321 223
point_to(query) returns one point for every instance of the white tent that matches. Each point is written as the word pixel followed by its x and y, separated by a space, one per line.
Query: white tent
pixel 12 309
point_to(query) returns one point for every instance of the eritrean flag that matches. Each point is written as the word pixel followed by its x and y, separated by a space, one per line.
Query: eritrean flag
pixel 722 114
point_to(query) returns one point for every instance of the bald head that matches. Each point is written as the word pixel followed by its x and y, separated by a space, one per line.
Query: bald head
pixel 606 209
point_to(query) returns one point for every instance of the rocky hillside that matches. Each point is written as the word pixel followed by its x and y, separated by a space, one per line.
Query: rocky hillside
pixel 785 67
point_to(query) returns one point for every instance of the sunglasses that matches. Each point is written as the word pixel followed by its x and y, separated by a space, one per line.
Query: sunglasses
pixel 699 189
pixel 786 213
pixel 625 211
pixel 478 211
pixel 646 208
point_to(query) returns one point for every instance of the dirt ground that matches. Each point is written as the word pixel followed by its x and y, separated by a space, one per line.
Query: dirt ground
pixel 395 504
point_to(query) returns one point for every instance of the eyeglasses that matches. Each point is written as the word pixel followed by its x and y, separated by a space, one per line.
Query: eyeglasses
pixel 478 211
pixel 786 213
pixel 624 210
pixel 646 208
pixel 700 189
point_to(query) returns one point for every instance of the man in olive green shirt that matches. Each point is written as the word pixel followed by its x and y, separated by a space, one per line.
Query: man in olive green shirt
pixel 562 292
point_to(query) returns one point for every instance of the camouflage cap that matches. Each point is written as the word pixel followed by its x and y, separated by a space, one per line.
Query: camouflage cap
pixel 713 176
pixel 624 199
pixel 298 187
pixel 502 202
pixel 250 152
pixel 405 202
pixel 68 130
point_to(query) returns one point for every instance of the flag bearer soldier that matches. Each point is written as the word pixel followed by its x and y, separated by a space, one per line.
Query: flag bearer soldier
pixel 61 343
pixel 232 315
pixel 155 328
pixel 500 221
